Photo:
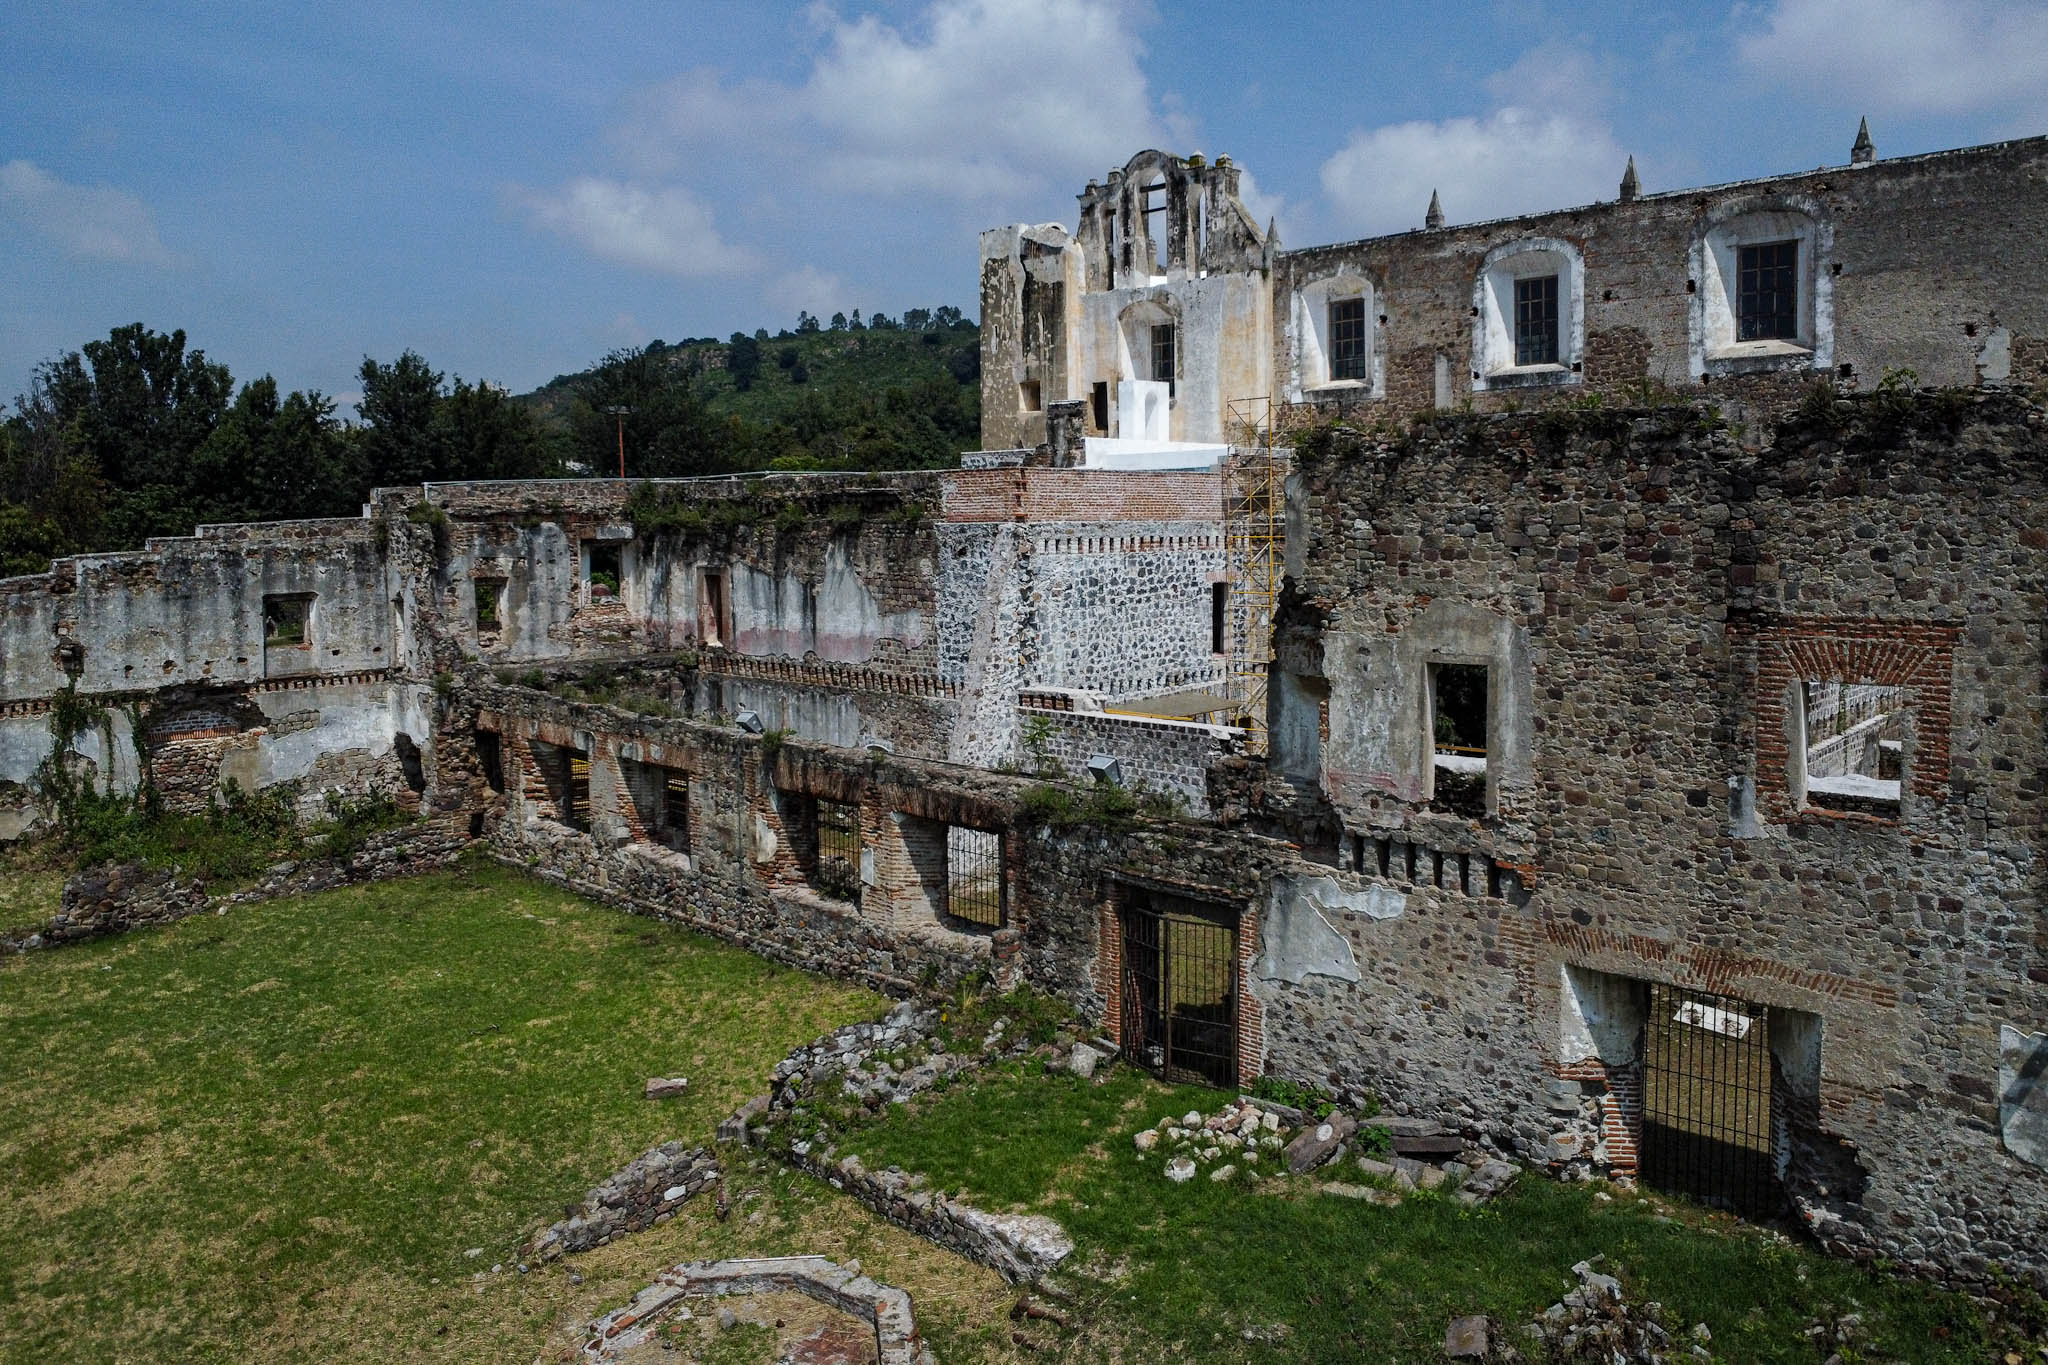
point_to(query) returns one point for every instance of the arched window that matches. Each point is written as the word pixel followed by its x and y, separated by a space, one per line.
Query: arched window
pixel 1335 322
pixel 1529 315
pixel 1763 297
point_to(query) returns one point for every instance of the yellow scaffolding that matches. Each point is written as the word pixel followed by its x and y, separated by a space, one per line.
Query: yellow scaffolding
pixel 1254 547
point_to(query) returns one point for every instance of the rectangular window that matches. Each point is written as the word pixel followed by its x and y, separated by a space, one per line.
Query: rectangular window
pixel 672 827
pixel 1457 713
pixel 1153 202
pixel 490 756
pixel 1219 617
pixel 837 873
pixel 1855 745
pixel 1767 292
pixel 1099 400
pixel 1030 396
pixel 287 621
pixel 489 594
pixel 565 773
pixel 604 570
pixel 1536 321
pixel 1347 338
pixel 974 876
pixel 1162 354
pixel 711 610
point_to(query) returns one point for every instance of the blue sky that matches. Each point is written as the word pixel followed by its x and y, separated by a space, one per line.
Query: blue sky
pixel 513 190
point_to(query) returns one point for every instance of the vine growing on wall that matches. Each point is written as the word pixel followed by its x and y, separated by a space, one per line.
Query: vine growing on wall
pixel 58 783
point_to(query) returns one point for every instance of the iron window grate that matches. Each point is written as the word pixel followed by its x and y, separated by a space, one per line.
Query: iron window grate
pixel 1767 292
pixel 1707 1100
pixel 674 828
pixel 1536 321
pixel 1347 338
pixel 1162 354
pixel 1178 998
pixel 974 876
pixel 838 869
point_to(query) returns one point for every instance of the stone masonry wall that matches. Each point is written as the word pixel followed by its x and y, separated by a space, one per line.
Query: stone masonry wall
pixel 1643 596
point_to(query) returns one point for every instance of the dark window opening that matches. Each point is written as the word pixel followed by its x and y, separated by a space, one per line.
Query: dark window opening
pixel 1219 617
pixel 1767 292
pixel 1347 339
pixel 1099 402
pixel 671 826
pixel 606 570
pixel 490 757
pixel 489 595
pixel 287 621
pixel 1030 396
pixel 1177 1005
pixel 1162 354
pixel 711 610
pixel 1536 321
pixel 409 762
pixel 974 876
pixel 1458 709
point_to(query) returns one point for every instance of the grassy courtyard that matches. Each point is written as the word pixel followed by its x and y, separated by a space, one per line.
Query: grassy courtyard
pixel 320 1128
pixel 278 1134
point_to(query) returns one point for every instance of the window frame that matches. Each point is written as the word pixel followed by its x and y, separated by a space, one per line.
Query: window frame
pixel 1313 366
pixel 1717 347
pixel 1349 353
pixel 1164 347
pixel 1497 357
pixel 1541 329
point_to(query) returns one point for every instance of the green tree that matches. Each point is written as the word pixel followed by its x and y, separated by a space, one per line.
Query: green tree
pixel 400 443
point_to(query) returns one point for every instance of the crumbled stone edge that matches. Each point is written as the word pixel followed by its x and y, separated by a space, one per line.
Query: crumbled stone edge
pixel 103 901
pixel 645 1192
pixel 887 1308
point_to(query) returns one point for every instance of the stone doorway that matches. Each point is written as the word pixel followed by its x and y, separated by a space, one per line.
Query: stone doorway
pixel 1707 1129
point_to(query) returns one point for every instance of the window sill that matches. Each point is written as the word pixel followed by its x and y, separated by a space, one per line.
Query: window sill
pixel 1758 357
pixel 1823 815
pixel 1530 377
pixel 1340 386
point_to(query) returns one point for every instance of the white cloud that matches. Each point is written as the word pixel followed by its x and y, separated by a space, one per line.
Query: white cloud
pixel 1546 146
pixel 983 100
pixel 87 222
pixel 806 289
pixel 1906 56
pixel 666 230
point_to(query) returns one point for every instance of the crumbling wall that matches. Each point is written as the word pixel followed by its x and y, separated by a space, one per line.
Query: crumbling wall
pixel 1665 590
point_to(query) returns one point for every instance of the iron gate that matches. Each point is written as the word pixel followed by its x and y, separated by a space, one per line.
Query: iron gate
pixel 1179 996
pixel 1707 1100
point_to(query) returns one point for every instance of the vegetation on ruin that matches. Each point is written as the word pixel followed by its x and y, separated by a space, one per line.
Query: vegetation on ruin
pixel 1110 807
pixel 1165 1271
pixel 235 837
pixel 767 509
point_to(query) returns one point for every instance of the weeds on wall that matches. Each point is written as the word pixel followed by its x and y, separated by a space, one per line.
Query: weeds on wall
pixel 1110 807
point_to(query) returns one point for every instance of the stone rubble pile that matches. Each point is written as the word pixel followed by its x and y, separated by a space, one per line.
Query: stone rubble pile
pixel 1595 1322
pixel 1235 1139
pixel 878 1063
pixel 646 1192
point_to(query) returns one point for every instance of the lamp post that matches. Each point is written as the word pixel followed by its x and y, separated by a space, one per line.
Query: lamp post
pixel 619 411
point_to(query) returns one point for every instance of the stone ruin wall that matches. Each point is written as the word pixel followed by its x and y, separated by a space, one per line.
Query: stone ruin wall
pixel 1644 594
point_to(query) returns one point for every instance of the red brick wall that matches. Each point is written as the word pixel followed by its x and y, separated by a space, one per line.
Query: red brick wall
pixel 1081 495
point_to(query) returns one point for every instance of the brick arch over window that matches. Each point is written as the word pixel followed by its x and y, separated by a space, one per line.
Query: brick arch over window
pixel 1913 655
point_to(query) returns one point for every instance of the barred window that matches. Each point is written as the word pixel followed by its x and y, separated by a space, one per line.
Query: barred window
pixel 1162 354
pixel 838 867
pixel 1767 292
pixel 974 876
pixel 1536 320
pixel 1347 338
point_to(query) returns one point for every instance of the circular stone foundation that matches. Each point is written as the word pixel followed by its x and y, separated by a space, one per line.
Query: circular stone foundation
pixel 823 1314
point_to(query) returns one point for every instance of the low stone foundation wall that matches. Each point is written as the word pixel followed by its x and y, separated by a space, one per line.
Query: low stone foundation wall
pixel 1021 1247
pixel 114 898
pixel 646 1192
pixel 887 1308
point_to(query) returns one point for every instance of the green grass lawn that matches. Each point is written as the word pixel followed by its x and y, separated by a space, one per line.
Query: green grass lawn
pixel 1179 1271
pixel 281 1130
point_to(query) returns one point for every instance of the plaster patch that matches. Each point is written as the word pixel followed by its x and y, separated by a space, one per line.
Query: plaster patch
pixel 2023 1094
pixel 1299 940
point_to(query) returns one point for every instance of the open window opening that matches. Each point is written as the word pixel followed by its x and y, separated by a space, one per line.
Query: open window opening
pixel 974 877
pixel 1458 738
pixel 489 603
pixel 287 621
pixel 712 618
pixel 565 773
pixel 1219 618
pixel 1852 750
pixel 1098 406
pixel 661 801
pixel 1152 209
pixel 1030 396
pixel 836 870
pixel 604 569
pixel 490 757
pixel 410 763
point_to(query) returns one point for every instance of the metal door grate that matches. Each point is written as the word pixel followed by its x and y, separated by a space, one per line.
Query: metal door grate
pixel 1707 1100
pixel 974 876
pixel 838 850
pixel 1179 996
